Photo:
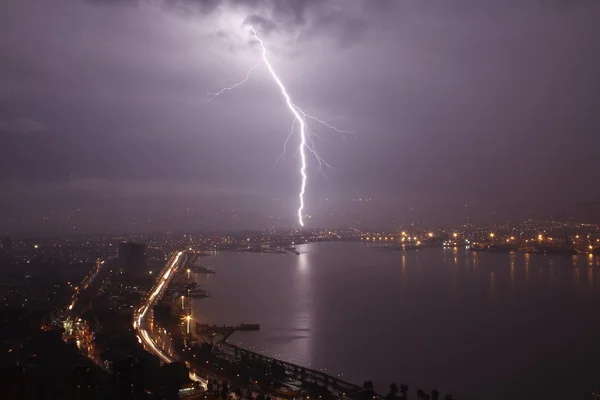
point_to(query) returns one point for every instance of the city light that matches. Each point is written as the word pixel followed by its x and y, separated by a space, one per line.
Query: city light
pixel 188 318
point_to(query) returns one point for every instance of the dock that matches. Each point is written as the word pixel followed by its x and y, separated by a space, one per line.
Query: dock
pixel 224 330
pixel 304 375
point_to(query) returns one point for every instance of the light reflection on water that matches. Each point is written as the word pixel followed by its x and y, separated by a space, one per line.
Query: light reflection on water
pixel 479 325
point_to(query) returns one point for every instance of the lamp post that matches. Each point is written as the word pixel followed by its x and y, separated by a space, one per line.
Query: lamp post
pixel 188 319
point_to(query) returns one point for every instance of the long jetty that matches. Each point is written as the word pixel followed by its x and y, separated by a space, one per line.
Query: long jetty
pixel 332 383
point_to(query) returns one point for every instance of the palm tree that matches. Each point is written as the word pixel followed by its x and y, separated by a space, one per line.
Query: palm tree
pixel 393 391
pixel 435 395
pixel 420 394
pixel 404 391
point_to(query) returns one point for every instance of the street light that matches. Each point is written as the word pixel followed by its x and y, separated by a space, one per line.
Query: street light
pixel 188 319
pixel 182 302
pixel 188 272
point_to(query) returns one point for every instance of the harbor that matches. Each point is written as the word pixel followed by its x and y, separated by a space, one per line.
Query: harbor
pixel 225 361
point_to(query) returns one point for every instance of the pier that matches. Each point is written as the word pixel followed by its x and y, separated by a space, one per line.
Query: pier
pixel 302 374
pixel 223 331
pixel 219 335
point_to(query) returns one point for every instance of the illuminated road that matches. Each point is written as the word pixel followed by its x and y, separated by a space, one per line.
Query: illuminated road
pixel 140 319
pixel 85 284
pixel 77 329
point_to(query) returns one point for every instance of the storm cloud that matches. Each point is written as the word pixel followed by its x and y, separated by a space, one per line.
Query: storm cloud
pixel 453 102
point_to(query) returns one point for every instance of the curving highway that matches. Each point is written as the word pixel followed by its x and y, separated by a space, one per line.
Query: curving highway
pixel 140 318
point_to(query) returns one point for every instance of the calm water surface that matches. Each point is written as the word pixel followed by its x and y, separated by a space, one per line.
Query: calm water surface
pixel 477 325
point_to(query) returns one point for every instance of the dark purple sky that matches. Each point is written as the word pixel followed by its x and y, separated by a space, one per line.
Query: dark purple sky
pixel 479 102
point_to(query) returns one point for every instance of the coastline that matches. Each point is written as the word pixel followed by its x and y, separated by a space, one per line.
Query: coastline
pixel 300 373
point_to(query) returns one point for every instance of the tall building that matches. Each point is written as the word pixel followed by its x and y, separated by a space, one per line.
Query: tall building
pixel 133 256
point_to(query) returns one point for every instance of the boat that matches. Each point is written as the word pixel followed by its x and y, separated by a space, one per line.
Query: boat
pixel 553 250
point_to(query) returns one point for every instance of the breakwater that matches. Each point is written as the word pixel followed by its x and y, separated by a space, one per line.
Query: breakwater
pixel 303 374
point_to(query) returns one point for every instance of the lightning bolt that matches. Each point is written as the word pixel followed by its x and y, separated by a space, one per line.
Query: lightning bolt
pixel 300 117
pixel 228 88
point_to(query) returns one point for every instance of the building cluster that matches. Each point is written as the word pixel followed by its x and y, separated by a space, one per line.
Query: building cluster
pixel 87 288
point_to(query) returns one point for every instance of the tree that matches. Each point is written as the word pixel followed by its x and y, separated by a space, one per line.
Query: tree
pixel 448 397
pixel 225 389
pixel 420 394
pixel 404 390
pixel 435 395
pixel 368 386
pixel 393 391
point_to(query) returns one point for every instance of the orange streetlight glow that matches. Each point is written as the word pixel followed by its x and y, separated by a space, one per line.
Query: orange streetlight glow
pixel 188 319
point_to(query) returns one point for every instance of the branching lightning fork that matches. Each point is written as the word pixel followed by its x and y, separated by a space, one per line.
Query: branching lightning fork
pixel 228 88
pixel 300 117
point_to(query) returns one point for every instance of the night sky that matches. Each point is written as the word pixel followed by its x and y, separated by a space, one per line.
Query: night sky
pixel 478 103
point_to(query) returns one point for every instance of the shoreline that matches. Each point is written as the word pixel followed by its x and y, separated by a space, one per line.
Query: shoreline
pixel 301 373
